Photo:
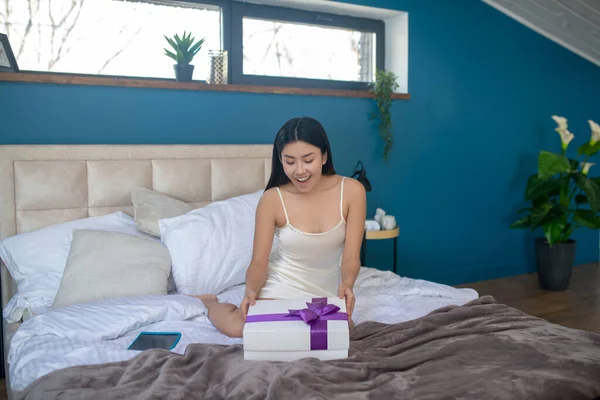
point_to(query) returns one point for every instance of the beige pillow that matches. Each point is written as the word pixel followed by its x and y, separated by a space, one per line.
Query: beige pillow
pixel 104 265
pixel 149 206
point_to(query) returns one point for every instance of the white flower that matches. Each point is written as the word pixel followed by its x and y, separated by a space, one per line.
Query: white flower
pixel 561 121
pixel 595 132
pixel 565 137
pixel 563 131
pixel 585 167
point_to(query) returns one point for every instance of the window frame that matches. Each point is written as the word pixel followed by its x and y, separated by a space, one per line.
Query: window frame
pixel 225 6
pixel 239 10
pixel 232 14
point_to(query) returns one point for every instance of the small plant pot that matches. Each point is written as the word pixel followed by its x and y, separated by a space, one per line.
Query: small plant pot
pixel 183 72
pixel 554 264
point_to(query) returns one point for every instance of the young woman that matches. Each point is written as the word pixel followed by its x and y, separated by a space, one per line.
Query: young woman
pixel 319 220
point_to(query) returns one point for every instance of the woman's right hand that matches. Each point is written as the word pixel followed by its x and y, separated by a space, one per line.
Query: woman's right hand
pixel 249 300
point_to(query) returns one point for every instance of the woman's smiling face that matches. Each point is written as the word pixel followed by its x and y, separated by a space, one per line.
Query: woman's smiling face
pixel 303 164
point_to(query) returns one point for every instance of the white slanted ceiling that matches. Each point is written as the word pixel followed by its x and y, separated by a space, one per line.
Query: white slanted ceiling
pixel 574 24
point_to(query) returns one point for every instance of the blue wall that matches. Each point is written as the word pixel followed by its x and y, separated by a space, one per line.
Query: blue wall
pixel 483 89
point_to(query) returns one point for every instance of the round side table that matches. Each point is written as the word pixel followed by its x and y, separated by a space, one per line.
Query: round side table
pixel 381 235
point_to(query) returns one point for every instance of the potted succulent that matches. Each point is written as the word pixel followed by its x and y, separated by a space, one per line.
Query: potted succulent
pixel 562 197
pixel 184 50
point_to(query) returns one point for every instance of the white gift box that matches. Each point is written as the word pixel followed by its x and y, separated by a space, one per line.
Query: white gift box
pixel 274 333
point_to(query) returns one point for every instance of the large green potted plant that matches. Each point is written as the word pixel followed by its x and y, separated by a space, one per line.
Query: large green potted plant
pixel 184 50
pixel 562 197
pixel 383 88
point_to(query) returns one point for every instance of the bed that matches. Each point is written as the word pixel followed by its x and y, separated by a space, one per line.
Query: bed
pixel 414 338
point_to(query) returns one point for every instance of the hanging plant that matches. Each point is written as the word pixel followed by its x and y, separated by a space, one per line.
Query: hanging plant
pixel 383 88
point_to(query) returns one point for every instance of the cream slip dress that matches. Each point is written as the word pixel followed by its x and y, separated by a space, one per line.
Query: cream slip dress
pixel 306 264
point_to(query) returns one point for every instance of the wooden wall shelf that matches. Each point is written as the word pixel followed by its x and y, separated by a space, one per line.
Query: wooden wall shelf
pixel 68 79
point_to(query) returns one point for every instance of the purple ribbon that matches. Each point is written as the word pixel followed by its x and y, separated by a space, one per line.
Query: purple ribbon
pixel 316 315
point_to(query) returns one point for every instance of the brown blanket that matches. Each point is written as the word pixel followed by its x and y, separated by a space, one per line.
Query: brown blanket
pixel 482 350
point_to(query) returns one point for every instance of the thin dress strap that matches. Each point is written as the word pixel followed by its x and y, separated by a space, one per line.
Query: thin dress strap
pixel 287 219
pixel 342 199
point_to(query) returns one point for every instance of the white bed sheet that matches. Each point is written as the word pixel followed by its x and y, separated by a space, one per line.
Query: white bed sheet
pixel 100 332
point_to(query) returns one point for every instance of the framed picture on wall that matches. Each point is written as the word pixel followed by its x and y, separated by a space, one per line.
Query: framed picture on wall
pixel 8 62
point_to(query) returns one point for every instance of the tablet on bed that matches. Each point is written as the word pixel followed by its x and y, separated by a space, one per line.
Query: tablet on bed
pixel 155 340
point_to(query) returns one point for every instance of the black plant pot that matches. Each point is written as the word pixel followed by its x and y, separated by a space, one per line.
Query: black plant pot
pixel 183 72
pixel 554 264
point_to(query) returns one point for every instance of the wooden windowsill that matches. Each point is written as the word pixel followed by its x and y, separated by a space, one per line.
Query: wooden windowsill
pixel 67 79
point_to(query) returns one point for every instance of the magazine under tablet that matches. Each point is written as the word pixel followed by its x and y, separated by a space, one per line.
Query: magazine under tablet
pixel 155 340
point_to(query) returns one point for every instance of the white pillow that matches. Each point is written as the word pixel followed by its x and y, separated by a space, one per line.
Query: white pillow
pixel 105 265
pixel 211 247
pixel 36 260
pixel 149 206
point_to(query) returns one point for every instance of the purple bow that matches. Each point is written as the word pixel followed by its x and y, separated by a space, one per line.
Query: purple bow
pixel 313 313
pixel 316 315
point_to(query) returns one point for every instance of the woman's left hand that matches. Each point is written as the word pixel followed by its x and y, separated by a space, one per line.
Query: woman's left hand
pixel 346 292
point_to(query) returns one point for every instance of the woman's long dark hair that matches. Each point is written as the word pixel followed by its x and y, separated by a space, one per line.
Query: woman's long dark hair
pixel 306 129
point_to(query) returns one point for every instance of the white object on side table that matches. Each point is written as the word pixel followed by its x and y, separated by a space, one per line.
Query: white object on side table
pixel 388 222
pixel 372 225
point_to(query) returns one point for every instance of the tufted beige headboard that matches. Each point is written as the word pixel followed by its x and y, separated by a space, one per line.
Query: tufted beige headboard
pixel 43 185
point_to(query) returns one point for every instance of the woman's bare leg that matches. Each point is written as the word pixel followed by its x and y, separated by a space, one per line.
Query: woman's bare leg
pixel 207 298
pixel 226 317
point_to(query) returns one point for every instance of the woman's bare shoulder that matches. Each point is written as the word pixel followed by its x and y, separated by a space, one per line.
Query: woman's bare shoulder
pixel 269 198
pixel 354 189
pixel 265 209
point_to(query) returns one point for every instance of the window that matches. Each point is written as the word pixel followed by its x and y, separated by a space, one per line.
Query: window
pixel 267 45
pixel 272 48
pixel 106 37
pixel 283 47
